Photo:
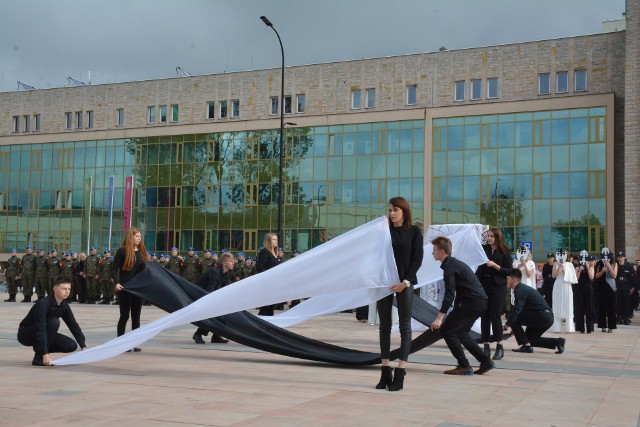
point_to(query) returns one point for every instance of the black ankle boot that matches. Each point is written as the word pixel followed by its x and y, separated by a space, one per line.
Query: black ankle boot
pixel 487 350
pixel 386 376
pixel 398 379
pixel 499 352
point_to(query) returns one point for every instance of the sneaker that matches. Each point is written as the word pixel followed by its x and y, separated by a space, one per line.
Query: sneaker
pixel 485 367
pixel 460 370
pixel 526 348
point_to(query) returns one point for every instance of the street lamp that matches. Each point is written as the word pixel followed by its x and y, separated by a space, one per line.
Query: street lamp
pixel 281 142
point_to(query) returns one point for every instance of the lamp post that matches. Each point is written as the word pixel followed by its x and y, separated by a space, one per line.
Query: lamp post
pixel 281 141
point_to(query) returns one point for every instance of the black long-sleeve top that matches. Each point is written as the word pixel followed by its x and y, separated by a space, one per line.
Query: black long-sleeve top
pixel 459 283
pixel 547 275
pixel 45 309
pixel 489 275
pixel 407 251
pixel 123 276
pixel 527 299
pixel 214 279
pixel 266 260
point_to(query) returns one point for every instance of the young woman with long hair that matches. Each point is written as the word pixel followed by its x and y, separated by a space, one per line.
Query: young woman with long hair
pixel 406 241
pixel 268 258
pixel 128 262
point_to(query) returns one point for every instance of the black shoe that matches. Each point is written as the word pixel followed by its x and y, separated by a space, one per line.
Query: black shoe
pixel 499 354
pixel 11 299
pixel 386 377
pixel 198 338
pixel 487 350
pixel 137 349
pixel 525 348
pixel 485 367
pixel 217 339
pixel 560 345
pixel 37 361
pixel 104 301
pixel 398 379
pixel 459 370
pixel 26 299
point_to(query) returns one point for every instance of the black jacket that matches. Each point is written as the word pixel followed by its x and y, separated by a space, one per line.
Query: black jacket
pixel 489 275
pixel 214 279
pixel 266 260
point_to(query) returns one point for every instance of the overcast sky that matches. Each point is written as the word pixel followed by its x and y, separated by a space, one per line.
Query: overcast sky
pixel 42 42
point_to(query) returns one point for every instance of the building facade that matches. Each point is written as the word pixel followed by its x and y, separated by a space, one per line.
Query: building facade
pixel 537 138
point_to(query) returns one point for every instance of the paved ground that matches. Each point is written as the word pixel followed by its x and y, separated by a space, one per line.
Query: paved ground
pixel 173 381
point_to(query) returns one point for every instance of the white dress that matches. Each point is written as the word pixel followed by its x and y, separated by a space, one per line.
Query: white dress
pixel 563 300
pixel 531 266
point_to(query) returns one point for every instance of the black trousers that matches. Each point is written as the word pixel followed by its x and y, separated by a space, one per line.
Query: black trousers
pixel 492 317
pixel 606 307
pixel 128 303
pixel 547 291
pixel 623 304
pixel 266 310
pixel 56 343
pixel 456 326
pixel 537 323
pixel 583 307
pixel 404 300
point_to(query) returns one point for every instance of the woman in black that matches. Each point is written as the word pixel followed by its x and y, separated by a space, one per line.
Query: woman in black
pixel 128 262
pixel 493 276
pixel 605 279
pixel 268 258
pixel 583 296
pixel 406 240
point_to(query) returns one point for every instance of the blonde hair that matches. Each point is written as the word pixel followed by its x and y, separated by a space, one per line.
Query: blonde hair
pixel 268 245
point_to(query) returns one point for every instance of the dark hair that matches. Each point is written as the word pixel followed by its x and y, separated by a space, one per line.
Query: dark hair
pixel 60 281
pixel 442 243
pixel 499 239
pixel 401 203
pixel 515 272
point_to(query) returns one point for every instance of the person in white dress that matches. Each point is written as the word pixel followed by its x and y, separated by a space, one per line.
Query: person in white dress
pixel 565 274
pixel 524 263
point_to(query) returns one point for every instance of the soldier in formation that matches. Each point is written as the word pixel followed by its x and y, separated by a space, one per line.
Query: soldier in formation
pixel 13 269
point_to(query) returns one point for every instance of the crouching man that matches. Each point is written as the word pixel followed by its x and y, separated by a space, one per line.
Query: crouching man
pixel 40 328
pixel 532 311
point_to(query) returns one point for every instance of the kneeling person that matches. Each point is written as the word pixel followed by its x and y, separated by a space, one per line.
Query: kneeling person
pixel 40 328
pixel 532 311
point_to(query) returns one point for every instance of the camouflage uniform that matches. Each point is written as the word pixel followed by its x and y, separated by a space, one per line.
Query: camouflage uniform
pixel 75 283
pixel 27 275
pixel 192 268
pixel 54 269
pixel 66 269
pixel 42 276
pixel 92 270
pixel 106 280
pixel 13 269
pixel 208 263
pixel 176 265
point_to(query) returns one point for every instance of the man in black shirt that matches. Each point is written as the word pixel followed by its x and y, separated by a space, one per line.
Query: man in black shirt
pixel 470 303
pixel 530 310
pixel 40 328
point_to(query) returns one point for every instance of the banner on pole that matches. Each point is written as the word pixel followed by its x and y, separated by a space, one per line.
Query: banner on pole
pixel 111 189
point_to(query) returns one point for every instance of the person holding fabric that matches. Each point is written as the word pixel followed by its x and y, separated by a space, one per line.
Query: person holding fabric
pixel 406 241
pixel 532 311
pixel 493 276
pixel 470 303
pixel 565 274
pixel 583 295
pixel 267 259
pixel 39 329
pixel 129 261
pixel 605 277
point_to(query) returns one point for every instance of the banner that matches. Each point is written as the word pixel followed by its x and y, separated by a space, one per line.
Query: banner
pixel 128 190
pixel 110 202
pixel 86 205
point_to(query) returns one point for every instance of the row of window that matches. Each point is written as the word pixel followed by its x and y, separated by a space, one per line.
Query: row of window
pixel 475 89
pixel 79 121
pixel 26 121
pixel 162 114
pixel 562 82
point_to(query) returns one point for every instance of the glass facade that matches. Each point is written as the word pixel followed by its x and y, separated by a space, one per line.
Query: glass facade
pixel 539 176
pixel 211 190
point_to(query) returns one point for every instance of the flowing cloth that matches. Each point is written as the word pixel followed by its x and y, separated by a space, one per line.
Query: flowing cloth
pixel 563 300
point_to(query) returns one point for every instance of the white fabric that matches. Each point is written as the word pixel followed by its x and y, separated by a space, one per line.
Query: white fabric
pixel 531 266
pixel 563 300
pixel 356 264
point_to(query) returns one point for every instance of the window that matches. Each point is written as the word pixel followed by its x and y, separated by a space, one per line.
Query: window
pixel 235 108
pixel 120 117
pixel 300 100
pixel 370 94
pixel 64 158
pixel 36 160
pixel 223 110
pixel 151 114
pixel 78 119
pixel 492 88
pixel 175 110
pixel 67 120
pixel 4 161
pixel 544 84
pixel 3 201
pixel 459 89
pixel 33 202
pixel 90 119
pixel 211 110
pixel 476 89
pixel 274 106
pixel 36 122
pixel 355 99
pixel 562 82
pixel 27 123
pixel 163 114
pixel 412 94
pixel 63 199
pixel 287 104
pixel 16 124
pixel 580 78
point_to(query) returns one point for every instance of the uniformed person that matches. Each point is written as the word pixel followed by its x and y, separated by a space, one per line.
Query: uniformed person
pixel 192 266
pixel 92 270
pixel 28 274
pixel 176 264
pixel 54 269
pixel 42 274
pixel 623 285
pixel 106 283
pixel 236 273
pixel 164 261
pixel 13 269
pixel 75 282
pixel 66 268
pixel 208 261
pixel 154 257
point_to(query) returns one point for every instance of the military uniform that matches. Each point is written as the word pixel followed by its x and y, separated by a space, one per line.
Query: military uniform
pixel 54 269
pixel 92 270
pixel 75 283
pixel 66 269
pixel 28 275
pixel 176 265
pixel 13 269
pixel 192 268
pixel 42 274
pixel 106 282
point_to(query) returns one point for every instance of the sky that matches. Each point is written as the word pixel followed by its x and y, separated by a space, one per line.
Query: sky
pixel 42 42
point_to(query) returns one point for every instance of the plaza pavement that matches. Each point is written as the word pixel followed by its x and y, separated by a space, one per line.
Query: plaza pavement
pixel 175 382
